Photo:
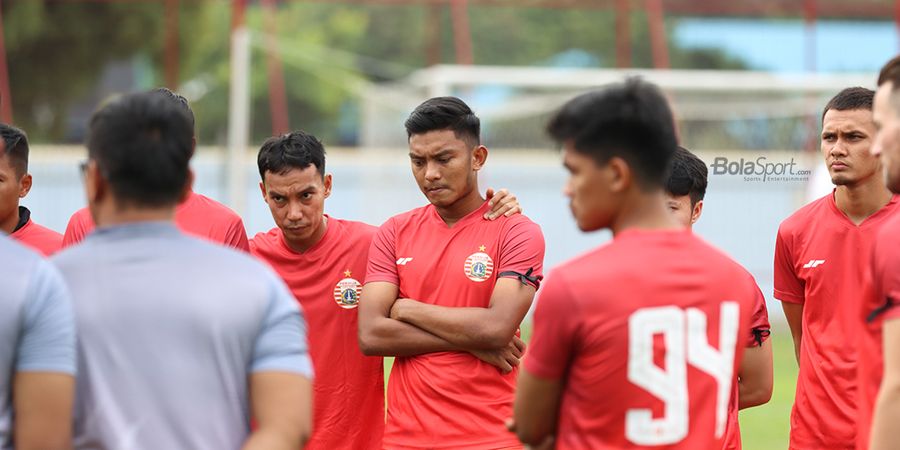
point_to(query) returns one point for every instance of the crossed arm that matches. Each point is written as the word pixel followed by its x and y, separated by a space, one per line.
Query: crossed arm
pixel 392 326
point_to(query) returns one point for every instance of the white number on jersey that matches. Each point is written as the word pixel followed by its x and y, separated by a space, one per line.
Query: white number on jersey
pixel 684 335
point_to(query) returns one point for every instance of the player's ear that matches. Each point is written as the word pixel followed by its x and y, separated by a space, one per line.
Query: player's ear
pixel 327 181
pixel 95 186
pixel 619 174
pixel 697 211
pixel 479 157
pixel 24 185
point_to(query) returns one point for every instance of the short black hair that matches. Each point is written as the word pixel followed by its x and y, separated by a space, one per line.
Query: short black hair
pixel 177 99
pixel 630 120
pixel 445 113
pixel 890 73
pixel 142 144
pixel 15 147
pixel 850 99
pixel 687 176
pixel 294 150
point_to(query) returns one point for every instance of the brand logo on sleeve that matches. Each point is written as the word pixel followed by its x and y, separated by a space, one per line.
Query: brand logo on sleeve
pixel 479 266
pixel 403 261
pixel 813 263
pixel 348 291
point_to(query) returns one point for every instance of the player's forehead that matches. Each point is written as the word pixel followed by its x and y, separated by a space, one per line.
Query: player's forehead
pixel 294 180
pixel 436 142
pixel 849 120
pixel 885 103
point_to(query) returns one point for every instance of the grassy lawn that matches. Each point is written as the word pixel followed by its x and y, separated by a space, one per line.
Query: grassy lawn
pixel 764 427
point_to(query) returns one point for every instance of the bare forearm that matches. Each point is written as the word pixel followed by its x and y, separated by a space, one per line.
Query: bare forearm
pixel 469 328
pixel 389 337
pixel 750 396
pixel 887 411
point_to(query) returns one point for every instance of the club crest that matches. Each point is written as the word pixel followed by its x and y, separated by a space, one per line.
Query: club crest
pixel 479 266
pixel 347 292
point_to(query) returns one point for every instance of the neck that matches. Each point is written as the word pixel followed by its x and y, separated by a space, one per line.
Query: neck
pixel 461 208
pixel 109 214
pixel 645 211
pixel 861 200
pixel 302 245
pixel 8 225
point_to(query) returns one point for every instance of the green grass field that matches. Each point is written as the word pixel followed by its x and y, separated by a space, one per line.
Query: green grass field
pixel 764 427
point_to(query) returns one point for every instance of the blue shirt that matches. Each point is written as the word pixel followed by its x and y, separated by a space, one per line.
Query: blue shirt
pixel 172 327
pixel 37 331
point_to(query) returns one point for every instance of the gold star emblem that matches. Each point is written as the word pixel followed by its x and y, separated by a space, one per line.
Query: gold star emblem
pixel 481 249
pixel 347 273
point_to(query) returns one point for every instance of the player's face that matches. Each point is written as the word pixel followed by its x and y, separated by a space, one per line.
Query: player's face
pixel 681 209
pixel 887 139
pixel 12 188
pixel 445 166
pixel 588 189
pixel 846 145
pixel 297 201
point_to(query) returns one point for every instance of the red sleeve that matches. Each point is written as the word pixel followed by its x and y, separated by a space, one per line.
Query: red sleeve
pixel 382 256
pixel 555 328
pixel 890 284
pixel 77 228
pixel 522 252
pixel 236 236
pixel 788 288
pixel 759 321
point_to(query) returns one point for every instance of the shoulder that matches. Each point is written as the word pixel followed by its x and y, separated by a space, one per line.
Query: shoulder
pixel 409 217
pixel 265 242
pixel 17 257
pixel 82 217
pixel 355 229
pixel 212 207
pixel 801 219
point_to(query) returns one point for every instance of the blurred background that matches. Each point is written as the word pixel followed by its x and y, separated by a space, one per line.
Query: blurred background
pixel 747 80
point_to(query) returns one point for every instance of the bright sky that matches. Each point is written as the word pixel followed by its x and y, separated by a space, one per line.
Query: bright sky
pixel 778 45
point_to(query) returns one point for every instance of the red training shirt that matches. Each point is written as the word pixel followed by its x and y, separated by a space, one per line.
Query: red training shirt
pixel 877 307
pixel 348 399
pixel 199 215
pixel 452 399
pixel 821 262
pixel 758 333
pixel 38 237
pixel 646 334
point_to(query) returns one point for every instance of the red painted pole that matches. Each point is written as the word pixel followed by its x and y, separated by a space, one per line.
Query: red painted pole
pixel 6 109
pixel 172 47
pixel 623 34
pixel 278 108
pixel 462 35
pixel 659 44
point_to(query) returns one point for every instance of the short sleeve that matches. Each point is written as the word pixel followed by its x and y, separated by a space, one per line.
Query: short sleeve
pixel 890 284
pixel 522 253
pixel 759 321
pixel 281 345
pixel 236 235
pixel 76 229
pixel 788 288
pixel 382 264
pixel 48 336
pixel 555 328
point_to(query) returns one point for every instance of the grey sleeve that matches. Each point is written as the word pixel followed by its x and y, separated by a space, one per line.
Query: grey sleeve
pixel 47 343
pixel 281 345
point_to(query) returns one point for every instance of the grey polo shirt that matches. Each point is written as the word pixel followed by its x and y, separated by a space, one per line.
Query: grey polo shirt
pixel 37 331
pixel 171 329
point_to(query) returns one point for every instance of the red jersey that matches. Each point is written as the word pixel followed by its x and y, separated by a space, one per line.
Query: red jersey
pixel 452 399
pixel 877 307
pixel 646 333
pixel 199 215
pixel 38 237
pixel 821 262
pixel 348 398
pixel 758 333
